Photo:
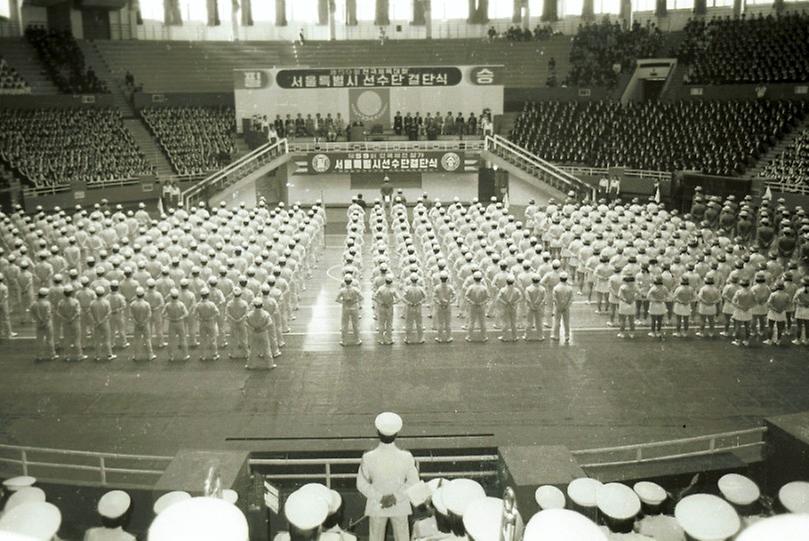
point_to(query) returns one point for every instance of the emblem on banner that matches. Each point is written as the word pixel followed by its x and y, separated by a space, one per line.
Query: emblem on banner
pixel 320 163
pixel 450 161
pixel 371 106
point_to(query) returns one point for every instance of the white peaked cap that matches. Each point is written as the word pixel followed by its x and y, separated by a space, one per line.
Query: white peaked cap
pixel 37 520
pixel 388 423
pixel 582 491
pixel 789 527
pixel 562 525
pixel 335 501
pixel 549 497
pixel 21 481
pixel 200 519
pixel 706 517
pixel 306 509
pixel 25 495
pixel 460 493
pixel 230 496
pixel 168 499
pixel 483 519
pixel 318 490
pixel 794 496
pixel 114 503
pixel 738 489
pixel 650 493
pixel 438 499
pixel 617 501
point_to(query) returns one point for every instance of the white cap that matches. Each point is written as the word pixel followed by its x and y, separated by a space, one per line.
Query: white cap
pixel 650 493
pixel 617 501
pixel 794 496
pixel 335 501
pixel 460 493
pixel 582 491
pixel 790 527
pixel 37 520
pixel 482 519
pixel 114 503
pixel 438 499
pixel 317 489
pixel 306 510
pixel 549 497
pixel 25 495
pixel 200 519
pixel 562 525
pixel 738 489
pixel 230 496
pixel 16 483
pixel 706 517
pixel 388 423
pixel 168 499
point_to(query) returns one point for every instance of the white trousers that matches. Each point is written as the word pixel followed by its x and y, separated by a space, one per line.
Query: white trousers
pixel 376 528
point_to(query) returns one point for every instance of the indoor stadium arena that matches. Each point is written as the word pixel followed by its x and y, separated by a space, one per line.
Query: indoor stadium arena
pixel 405 270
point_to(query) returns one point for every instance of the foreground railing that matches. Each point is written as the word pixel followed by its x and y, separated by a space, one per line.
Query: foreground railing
pixel 59 188
pixel 235 171
pixel 641 453
pixel 604 171
pixel 791 187
pixel 546 171
pixel 86 467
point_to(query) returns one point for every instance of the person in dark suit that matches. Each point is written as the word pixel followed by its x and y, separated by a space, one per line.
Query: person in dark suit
pixel 397 123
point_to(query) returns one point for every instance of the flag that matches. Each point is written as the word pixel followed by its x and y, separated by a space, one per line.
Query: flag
pixel 505 201
pixel 657 193
pixel 160 207
pixel 767 195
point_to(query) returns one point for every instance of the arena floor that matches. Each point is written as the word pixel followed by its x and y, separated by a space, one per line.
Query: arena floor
pixel 598 390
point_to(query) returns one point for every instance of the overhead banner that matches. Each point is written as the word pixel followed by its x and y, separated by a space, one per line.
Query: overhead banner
pixel 386 162
pixel 369 95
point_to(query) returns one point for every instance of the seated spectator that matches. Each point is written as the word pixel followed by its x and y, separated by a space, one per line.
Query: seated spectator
pixel 196 140
pixel 50 147
pixel 757 49
pixel 722 138
pixel 64 61
pixel 791 166
pixel 10 81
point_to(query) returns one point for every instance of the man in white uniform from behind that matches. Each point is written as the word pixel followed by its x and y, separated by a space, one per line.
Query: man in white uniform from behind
pixel 385 474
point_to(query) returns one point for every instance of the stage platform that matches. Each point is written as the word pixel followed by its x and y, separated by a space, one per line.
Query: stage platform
pixel 599 390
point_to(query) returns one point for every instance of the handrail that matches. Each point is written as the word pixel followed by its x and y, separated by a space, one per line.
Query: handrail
pixel 102 468
pixel 638 448
pixel 792 187
pixel 598 171
pixel 564 180
pixel 58 188
pixel 471 145
pixel 222 176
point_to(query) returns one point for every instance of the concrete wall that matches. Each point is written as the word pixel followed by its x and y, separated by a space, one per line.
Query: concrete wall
pixel 208 99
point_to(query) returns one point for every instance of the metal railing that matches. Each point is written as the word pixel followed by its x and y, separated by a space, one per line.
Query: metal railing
pixel 603 171
pixel 791 187
pixel 466 145
pixel 106 469
pixel 58 188
pixel 555 176
pixel 235 171
pixel 328 464
pixel 642 453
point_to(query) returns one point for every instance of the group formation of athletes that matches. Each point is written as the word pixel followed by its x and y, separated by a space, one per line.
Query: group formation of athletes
pixel 217 280
pixel 639 263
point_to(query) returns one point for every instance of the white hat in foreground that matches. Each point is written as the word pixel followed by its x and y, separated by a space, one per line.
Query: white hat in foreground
pixel 706 517
pixel 21 481
pixel 230 496
pixel 738 489
pixel 168 499
pixel 549 497
pixel 388 423
pixel 113 504
pixel 306 509
pixel 200 519
pixel 25 495
pixel 617 501
pixel 37 520
pixel 791 527
pixel 460 493
pixel 438 499
pixel 335 501
pixel 582 491
pixel 650 493
pixel 562 525
pixel 794 496
pixel 482 519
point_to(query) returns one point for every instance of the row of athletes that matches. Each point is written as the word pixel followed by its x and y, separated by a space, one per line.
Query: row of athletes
pixel 266 256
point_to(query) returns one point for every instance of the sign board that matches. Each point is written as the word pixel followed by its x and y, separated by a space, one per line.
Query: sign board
pixel 384 162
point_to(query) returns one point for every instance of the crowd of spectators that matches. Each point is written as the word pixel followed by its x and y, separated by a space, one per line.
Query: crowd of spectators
pixel 714 137
pixel 601 51
pixel 515 33
pixel 10 81
pixel 195 139
pixel 57 146
pixel 757 49
pixel 791 165
pixel 64 61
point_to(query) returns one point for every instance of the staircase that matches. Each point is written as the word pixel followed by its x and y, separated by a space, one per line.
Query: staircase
pixel 149 146
pixel 776 149
pixel 507 124
pixel 114 81
pixel 241 146
pixel 21 56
